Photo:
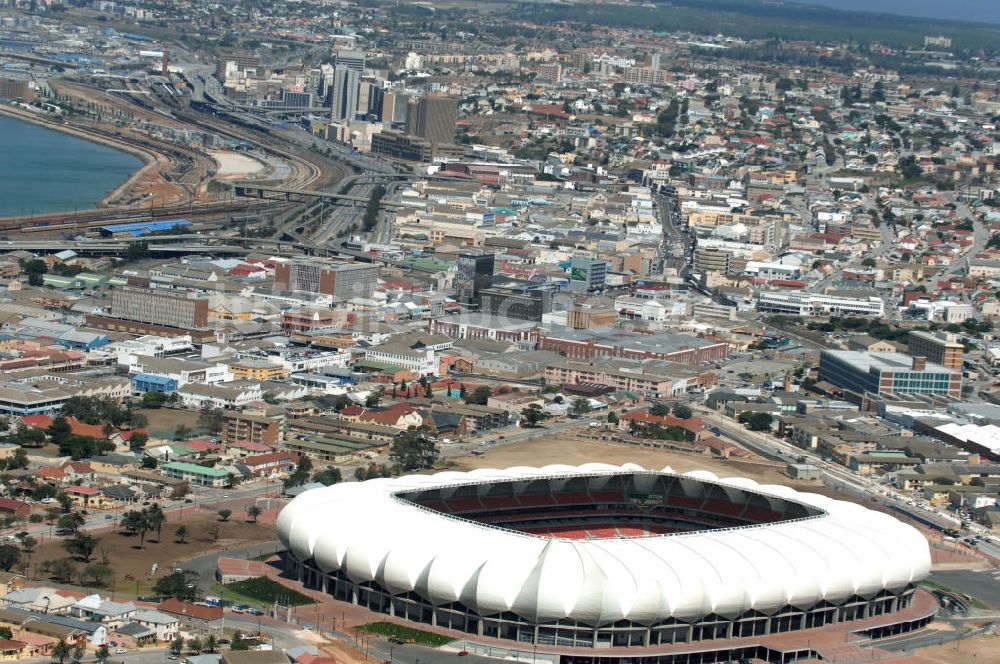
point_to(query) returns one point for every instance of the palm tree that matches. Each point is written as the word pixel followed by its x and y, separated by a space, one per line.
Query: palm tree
pixel 61 650
pixel 137 522
pixel 181 533
pixel 156 519
pixel 253 512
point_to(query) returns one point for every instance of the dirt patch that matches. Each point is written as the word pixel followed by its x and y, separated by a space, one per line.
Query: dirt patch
pixel 163 421
pixel 983 649
pixel 577 451
pixel 127 560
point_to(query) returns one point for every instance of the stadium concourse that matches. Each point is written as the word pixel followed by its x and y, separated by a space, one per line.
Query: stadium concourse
pixel 604 561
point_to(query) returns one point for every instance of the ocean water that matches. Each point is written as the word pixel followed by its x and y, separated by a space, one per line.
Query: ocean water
pixel 43 170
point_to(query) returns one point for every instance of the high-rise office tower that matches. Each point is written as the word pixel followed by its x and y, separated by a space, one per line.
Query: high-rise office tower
pixel 370 98
pixel 474 272
pixel 344 93
pixel 394 107
pixel 435 118
pixel 350 59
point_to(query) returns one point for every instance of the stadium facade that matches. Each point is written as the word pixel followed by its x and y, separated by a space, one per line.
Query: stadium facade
pixel 601 556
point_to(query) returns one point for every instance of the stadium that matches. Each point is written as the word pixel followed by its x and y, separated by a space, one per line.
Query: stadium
pixel 601 556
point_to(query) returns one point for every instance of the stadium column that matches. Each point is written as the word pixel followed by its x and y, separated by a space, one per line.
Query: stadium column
pixel 647 636
pixel 324 583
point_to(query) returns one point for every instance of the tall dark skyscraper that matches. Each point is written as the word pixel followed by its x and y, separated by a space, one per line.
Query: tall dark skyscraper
pixel 434 118
pixel 474 273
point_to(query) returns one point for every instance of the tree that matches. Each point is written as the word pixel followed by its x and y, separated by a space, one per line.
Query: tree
pixel 98 572
pixel 61 650
pixel 182 431
pixel 176 646
pixel 28 544
pixel 149 463
pixel 182 585
pixel 6 633
pixel 78 652
pixel 532 415
pixel 414 450
pixel 253 512
pixel 579 407
pixel 28 437
pixel 328 477
pixel 373 398
pixel 909 168
pixel 62 569
pixel 180 533
pixel 225 514
pixel 153 400
pixel 9 557
pixel 60 430
pixel 213 532
pixel 156 518
pixel 239 643
pixel 210 419
pixel 428 392
pixel 71 522
pixel 18 460
pixel 137 523
pixel 137 441
pixel 180 490
pixel 682 412
pixel 194 645
pixel 479 396
pixel 612 417
pixel 82 545
pixel 756 421
pixel 659 409
pixel 102 653
pixel 210 645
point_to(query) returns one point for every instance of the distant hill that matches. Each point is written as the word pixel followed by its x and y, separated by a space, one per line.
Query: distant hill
pixel 765 19
pixel 984 11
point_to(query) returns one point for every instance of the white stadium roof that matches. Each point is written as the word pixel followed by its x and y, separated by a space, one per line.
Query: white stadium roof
pixel 368 534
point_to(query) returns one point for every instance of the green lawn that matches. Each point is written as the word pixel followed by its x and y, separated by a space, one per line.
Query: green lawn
pixel 261 591
pixel 407 634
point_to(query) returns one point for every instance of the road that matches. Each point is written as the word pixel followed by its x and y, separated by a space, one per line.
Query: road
pixel 980 235
pixel 834 475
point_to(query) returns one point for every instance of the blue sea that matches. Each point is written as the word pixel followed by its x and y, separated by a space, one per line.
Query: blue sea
pixel 43 170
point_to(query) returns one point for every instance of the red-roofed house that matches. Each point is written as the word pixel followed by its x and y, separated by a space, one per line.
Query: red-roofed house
pixel 268 464
pixel 694 428
pixel 398 415
pixel 87 497
pixel 11 507
pixel 244 448
pixel 200 619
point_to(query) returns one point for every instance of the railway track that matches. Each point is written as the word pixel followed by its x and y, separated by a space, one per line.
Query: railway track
pixel 93 218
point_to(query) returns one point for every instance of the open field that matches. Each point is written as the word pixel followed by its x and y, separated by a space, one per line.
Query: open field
pixel 236 165
pixel 574 451
pixel 127 560
pixel 163 421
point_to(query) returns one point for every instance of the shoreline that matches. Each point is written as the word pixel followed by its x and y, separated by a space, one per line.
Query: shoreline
pixel 148 157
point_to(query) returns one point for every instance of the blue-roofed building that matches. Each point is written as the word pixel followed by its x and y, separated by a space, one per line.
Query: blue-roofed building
pixel 140 228
pixel 144 382
pixel 81 340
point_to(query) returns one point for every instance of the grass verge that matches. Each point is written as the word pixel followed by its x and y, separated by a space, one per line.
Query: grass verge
pixel 261 591
pixel 406 633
